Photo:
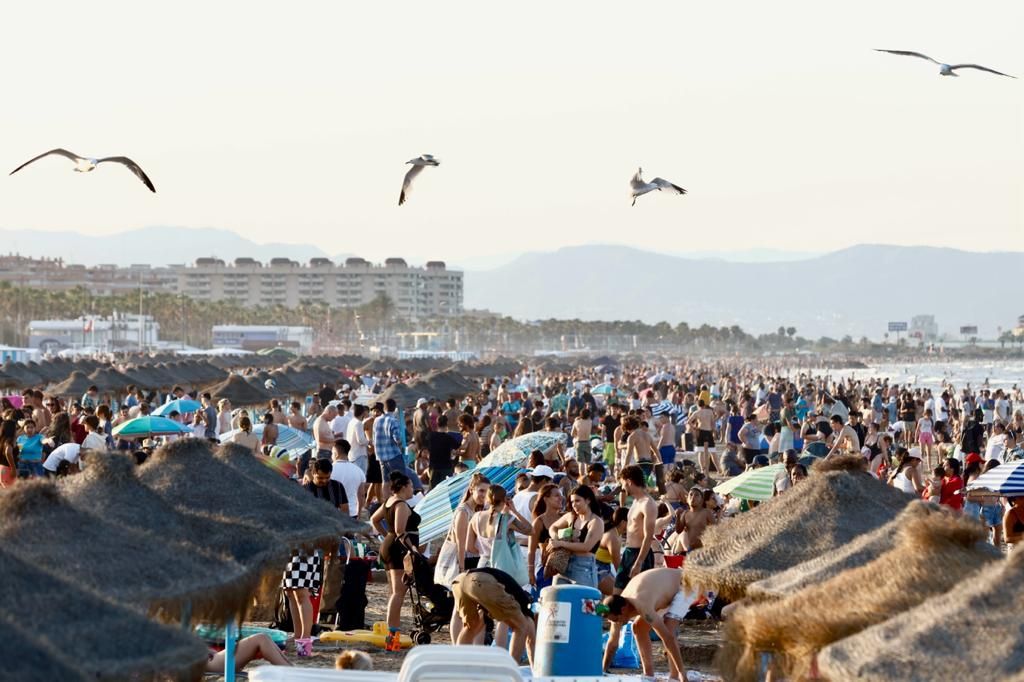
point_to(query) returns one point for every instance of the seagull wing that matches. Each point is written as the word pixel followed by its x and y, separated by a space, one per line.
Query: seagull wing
pixel 133 167
pixel 59 152
pixel 908 53
pixel 637 182
pixel 954 67
pixel 662 183
pixel 407 183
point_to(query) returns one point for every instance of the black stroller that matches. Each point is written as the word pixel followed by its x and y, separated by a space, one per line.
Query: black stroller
pixel 432 604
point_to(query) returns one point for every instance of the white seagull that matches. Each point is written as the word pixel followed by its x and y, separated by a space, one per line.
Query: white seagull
pixel 638 186
pixel 945 69
pixel 84 165
pixel 418 164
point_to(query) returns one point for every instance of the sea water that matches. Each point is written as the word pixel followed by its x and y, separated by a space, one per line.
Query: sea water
pixel 1004 374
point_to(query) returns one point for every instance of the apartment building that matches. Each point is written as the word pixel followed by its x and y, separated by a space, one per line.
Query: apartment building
pixel 430 291
pixel 101 280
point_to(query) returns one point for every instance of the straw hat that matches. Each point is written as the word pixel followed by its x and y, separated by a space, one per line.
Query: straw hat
pixel 972 632
pixel 857 552
pixel 134 566
pixel 837 502
pixel 109 488
pixel 932 555
pixel 52 628
pixel 187 475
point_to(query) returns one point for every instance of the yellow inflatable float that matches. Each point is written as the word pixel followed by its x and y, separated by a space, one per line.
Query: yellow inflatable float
pixel 377 636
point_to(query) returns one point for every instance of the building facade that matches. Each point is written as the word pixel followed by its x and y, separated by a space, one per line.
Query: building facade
pixel 415 292
pixel 430 291
pixel 256 337
pixel 123 332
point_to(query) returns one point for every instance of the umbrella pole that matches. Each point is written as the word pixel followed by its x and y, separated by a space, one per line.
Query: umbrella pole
pixel 186 616
pixel 230 633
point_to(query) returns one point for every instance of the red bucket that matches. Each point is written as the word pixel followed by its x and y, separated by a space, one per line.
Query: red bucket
pixel 675 560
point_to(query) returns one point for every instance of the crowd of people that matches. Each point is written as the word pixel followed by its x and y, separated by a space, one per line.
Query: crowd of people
pixel 615 504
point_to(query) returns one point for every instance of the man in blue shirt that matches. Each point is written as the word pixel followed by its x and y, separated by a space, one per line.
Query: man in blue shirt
pixel 30 445
pixel 388 443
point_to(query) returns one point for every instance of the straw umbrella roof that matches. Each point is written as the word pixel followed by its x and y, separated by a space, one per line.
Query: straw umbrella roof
pixel 25 376
pixel 51 628
pixel 972 632
pixel 110 488
pixel 857 552
pixel 404 396
pixel 76 384
pixel 109 379
pixel 186 474
pixel 933 554
pixel 135 566
pixel 836 503
pixel 239 391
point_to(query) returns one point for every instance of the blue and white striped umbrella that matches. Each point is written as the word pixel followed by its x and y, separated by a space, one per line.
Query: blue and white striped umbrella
pixel 517 450
pixel 293 441
pixel 664 407
pixel 438 507
pixel 181 406
pixel 1005 479
pixel 603 389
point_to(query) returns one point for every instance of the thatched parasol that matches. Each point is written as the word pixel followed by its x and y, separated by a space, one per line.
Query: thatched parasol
pixel 109 488
pixel 133 566
pixel 25 376
pixel 973 632
pixel 75 385
pixel 187 474
pixel 932 555
pixel 109 380
pixel 239 391
pixel 405 396
pixel 857 552
pixel 50 625
pixel 836 503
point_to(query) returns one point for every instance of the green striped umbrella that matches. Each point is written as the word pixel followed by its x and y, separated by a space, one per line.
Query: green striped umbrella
pixel 752 484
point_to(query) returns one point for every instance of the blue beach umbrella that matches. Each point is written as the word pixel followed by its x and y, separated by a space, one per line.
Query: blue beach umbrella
pixel 437 508
pixel 603 389
pixel 148 427
pixel 517 450
pixel 1006 479
pixel 181 406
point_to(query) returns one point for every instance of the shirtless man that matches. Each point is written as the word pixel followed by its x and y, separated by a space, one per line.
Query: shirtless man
pixel 295 418
pixel 666 439
pixel 580 434
pixel 846 439
pixel 654 600
pixel 323 432
pixel 639 450
pixel 704 420
pixel 693 522
pixel 636 552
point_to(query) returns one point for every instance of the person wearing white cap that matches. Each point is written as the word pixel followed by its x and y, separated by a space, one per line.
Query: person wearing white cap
pixel 906 476
pixel 421 424
pixel 523 500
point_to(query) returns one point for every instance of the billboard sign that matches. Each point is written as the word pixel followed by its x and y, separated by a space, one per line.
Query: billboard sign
pixel 969 330
pixel 897 326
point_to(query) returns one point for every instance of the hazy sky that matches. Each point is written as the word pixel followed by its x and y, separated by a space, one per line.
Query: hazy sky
pixel 292 121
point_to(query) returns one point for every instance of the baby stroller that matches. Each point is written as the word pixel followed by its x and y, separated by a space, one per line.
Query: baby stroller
pixel 432 604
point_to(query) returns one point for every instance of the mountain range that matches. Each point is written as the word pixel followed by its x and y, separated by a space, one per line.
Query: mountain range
pixel 854 291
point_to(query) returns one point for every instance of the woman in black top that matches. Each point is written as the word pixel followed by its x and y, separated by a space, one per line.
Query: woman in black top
pixel 401 537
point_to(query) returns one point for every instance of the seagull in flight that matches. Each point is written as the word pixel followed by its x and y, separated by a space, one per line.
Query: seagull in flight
pixel 945 69
pixel 418 164
pixel 638 187
pixel 85 165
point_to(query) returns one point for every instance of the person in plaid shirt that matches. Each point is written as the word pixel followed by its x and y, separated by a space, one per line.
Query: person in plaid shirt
pixel 388 445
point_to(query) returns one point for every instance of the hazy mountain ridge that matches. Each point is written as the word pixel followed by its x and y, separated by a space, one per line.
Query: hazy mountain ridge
pixel 853 291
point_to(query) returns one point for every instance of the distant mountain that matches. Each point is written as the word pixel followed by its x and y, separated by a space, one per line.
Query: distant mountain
pixel 176 245
pixel 854 291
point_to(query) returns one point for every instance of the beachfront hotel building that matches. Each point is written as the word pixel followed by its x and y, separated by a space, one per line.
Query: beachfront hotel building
pixel 415 292
pixel 429 291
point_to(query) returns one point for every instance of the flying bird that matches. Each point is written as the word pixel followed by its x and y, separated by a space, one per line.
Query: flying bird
pixel 418 164
pixel 85 165
pixel 946 69
pixel 638 187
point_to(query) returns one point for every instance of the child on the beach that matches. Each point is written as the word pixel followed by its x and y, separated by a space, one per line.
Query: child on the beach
pixel 933 490
pixel 925 436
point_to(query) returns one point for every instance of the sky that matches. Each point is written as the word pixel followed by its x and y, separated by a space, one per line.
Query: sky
pixel 292 121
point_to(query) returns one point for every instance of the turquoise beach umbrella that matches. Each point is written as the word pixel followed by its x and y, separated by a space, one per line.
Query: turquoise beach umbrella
pixel 181 406
pixel 147 427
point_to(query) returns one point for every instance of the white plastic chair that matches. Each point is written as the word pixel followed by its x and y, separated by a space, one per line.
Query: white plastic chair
pixel 446 663
pixel 275 673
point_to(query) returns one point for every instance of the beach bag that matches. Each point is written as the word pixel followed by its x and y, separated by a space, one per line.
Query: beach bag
pixel 505 553
pixel 557 560
pixel 447 566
